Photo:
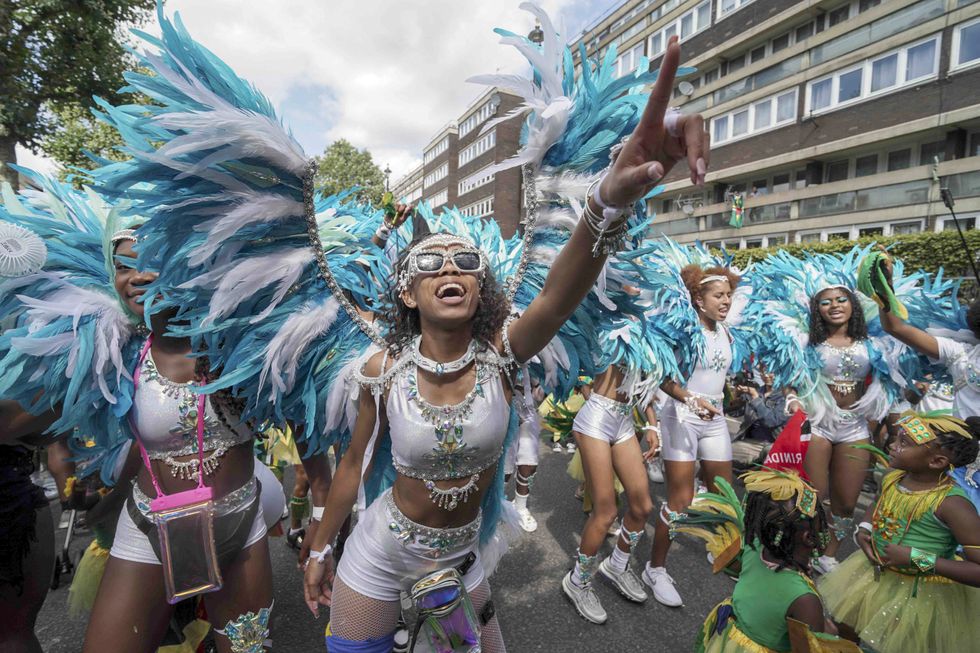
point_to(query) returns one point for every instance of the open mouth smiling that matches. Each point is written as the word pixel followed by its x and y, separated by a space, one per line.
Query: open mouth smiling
pixel 451 292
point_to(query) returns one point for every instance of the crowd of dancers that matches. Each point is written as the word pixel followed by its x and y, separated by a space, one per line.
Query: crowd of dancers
pixel 203 292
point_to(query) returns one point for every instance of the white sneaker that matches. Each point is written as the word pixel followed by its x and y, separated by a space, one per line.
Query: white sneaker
pixel 700 488
pixel 614 529
pixel 584 599
pixel 825 564
pixel 557 448
pixel 570 447
pixel 662 585
pixel 528 522
pixel 626 582
pixel 655 471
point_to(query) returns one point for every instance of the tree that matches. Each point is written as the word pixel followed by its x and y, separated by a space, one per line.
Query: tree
pixel 342 166
pixel 77 132
pixel 56 54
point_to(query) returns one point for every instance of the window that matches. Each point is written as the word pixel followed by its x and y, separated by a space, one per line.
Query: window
pixel 800 179
pixel 974 149
pixel 727 7
pixel 736 64
pixel 781 42
pixel 769 113
pixel 475 181
pixel 866 165
pixel 484 112
pixel 947 224
pixel 804 32
pixel 687 25
pixel 931 151
pixel 479 209
pixel 901 67
pixel 966 46
pixel 864 5
pixel 810 238
pixel 758 54
pixel 839 15
pixel 439 199
pixel 752 243
pixel 871 231
pixel 628 62
pixel 906 228
pixel 884 72
pixel 781 239
pixel 484 144
pixel 899 160
pixel 436 175
pixel 711 76
pixel 780 183
pixel 837 171
pixel 921 60
pixel 438 149
pixel 838 235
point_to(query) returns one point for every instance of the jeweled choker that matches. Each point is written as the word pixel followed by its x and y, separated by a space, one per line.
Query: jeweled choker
pixel 439 368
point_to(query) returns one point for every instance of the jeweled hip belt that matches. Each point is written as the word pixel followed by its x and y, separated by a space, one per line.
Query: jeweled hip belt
pixel 438 540
pixel 234 500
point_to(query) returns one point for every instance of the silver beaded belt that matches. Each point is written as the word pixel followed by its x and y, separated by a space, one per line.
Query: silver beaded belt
pixel 437 540
pixel 231 502
pixel 714 400
pixel 617 407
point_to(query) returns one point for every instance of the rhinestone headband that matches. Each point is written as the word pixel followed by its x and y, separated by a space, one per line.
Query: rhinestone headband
pixel 123 234
pixel 712 278
pixel 831 286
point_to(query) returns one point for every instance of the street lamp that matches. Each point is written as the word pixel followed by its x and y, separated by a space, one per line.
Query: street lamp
pixel 387 173
pixel 536 36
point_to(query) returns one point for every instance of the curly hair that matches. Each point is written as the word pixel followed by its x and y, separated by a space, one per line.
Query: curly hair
pixel 973 317
pixel 776 524
pixel 857 328
pixel 961 451
pixel 694 274
pixel 404 322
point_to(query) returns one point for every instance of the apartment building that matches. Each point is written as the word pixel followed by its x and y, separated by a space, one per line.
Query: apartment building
pixel 831 119
pixel 454 163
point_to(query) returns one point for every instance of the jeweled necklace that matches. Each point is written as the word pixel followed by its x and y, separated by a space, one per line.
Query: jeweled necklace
pixel 439 368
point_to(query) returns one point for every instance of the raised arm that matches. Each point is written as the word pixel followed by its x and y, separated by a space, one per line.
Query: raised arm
pixel 648 155
pixel 17 423
pixel 914 337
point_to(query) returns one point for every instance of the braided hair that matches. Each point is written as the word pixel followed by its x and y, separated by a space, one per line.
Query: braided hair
pixel 776 525
pixel 857 328
pixel 960 451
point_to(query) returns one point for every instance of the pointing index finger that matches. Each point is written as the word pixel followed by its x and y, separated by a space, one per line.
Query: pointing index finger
pixel 663 88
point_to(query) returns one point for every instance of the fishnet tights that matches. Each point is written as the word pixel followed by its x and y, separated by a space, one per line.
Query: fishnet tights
pixel 357 617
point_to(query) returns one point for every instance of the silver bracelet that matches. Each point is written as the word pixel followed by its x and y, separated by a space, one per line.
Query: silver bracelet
pixel 609 234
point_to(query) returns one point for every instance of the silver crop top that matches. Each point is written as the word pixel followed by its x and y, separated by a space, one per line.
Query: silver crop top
pixel 845 367
pixel 708 376
pixel 165 418
pixel 431 442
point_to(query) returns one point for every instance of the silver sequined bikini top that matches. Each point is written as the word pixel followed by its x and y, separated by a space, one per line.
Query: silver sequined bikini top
pixel 165 417
pixel 431 442
pixel 845 367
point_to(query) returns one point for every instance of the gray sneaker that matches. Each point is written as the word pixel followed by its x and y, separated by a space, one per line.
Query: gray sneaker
pixel 626 582
pixel 584 599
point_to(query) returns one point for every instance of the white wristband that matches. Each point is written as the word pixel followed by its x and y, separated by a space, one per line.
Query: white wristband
pixel 863 526
pixel 383 232
pixel 317 513
pixel 321 556
pixel 651 427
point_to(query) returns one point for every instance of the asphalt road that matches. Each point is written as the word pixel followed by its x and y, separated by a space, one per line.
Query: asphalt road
pixel 533 611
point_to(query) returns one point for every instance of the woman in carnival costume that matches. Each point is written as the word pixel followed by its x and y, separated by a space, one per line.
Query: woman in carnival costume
pixel 935 323
pixel 82 322
pixel 767 542
pixel 698 310
pixel 906 589
pixel 818 338
pixel 431 518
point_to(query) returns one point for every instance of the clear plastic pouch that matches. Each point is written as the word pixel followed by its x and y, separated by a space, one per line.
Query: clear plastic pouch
pixel 447 621
pixel 187 549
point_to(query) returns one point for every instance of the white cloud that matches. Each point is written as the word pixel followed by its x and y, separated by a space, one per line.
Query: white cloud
pixel 385 75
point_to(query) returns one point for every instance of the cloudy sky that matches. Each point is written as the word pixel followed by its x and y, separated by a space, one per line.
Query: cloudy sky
pixel 384 74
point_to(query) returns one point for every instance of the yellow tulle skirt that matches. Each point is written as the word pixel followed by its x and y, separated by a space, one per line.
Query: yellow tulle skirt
pixel 940 618
pixel 88 577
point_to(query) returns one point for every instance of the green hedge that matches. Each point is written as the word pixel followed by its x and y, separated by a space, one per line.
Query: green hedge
pixel 928 251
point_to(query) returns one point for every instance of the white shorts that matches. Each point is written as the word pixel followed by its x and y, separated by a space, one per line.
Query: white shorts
pixel 605 419
pixel 525 450
pixel 387 552
pixel 851 427
pixel 132 544
pixel 685 437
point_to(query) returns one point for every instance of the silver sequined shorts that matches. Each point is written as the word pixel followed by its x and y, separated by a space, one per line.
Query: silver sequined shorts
pixel 387 552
